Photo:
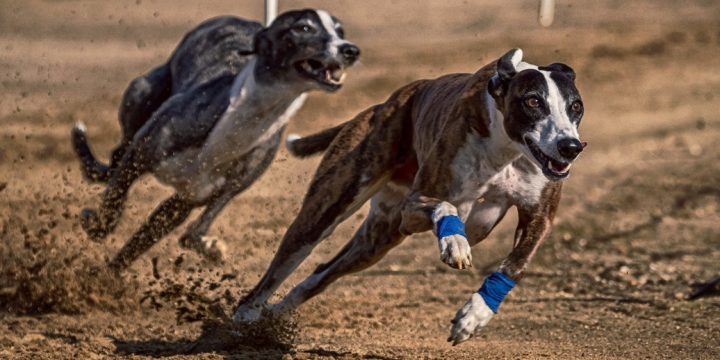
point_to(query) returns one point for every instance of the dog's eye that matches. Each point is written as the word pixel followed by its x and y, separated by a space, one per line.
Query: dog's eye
pixel 306 29
pixel 340 32
pixel 577 107
pixel 532 102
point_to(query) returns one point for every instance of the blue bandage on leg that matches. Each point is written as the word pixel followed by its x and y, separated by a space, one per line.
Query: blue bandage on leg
pixel 450 225
pixel 495 288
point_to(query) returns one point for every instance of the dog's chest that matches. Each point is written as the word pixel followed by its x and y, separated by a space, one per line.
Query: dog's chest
pixel 254 116
pixel 479 171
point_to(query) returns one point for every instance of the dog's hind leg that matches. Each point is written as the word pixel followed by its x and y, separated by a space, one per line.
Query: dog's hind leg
pixel 379 233
pixel 142 97
pixel 98 224
pixel 166 217
pixel 359 162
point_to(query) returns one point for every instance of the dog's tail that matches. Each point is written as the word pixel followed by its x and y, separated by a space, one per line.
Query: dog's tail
pixel 92 169
pixel 312 144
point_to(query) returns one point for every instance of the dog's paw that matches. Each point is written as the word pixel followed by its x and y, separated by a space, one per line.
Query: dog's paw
pixel 455 251
pixel 248 313
pixel 211 248
pixel 469 319
pixel 91 224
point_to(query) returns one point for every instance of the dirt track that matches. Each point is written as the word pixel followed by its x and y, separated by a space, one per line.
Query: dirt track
pixel 638 224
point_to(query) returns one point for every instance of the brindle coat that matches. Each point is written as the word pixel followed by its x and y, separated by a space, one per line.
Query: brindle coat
pixel 435 146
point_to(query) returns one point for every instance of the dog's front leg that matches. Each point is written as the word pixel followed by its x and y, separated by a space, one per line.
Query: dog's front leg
pixel 534 225
pixel 421 213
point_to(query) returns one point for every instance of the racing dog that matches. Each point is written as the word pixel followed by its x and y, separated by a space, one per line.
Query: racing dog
pixel 450 155
pixel 209 121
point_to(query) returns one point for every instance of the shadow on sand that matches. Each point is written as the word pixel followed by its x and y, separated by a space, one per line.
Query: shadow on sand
pixel 265 339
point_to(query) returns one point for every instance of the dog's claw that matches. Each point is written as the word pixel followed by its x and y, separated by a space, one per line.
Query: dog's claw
pixel 455 251
pixel 91 224
pixel 470 318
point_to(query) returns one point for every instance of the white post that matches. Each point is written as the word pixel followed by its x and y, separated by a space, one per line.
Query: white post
pixel 271 8
pixel 546 12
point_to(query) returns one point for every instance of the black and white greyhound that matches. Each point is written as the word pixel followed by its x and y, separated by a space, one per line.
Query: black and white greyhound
pixel 209 121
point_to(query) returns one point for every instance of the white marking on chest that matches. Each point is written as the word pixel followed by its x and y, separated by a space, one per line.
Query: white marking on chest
pixel 490 164
pixel 475 168
pixel 256 112
pixel 520 185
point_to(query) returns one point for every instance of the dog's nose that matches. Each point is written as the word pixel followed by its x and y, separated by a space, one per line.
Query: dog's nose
pixel 569 148
pixel 350 52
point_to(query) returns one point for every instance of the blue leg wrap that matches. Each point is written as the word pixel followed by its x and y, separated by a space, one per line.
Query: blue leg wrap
pixel 450 225
pixel 495 288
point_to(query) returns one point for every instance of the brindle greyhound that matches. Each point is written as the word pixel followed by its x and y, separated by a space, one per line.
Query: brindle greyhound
pixel 437 155
pixel 209 121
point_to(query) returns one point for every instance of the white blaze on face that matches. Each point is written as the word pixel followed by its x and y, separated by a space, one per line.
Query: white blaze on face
pixel 330 26
pixel 557 125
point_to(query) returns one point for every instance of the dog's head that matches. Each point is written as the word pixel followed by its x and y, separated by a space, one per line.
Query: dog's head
pixel 541 110
pixel 307 47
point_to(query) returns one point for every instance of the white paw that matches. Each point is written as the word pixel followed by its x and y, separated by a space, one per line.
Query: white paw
pixel 469 319
pixel 455 251
pixel 213 248
pixel 248 314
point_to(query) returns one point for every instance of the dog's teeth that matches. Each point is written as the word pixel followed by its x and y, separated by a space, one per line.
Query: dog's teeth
pixel 338 75
pixel 306 66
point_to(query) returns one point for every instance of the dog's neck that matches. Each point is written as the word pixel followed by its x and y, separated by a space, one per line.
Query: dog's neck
pixel 256 112
pixel 499 149
pixel 251 84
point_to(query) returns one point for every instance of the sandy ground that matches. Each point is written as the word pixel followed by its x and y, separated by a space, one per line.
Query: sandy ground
pixel 638 224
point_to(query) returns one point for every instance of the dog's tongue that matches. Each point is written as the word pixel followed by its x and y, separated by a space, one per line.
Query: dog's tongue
pixel 558 166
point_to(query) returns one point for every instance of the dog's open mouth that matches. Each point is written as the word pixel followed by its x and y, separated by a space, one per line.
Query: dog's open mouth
pixel 330 75
pixel 553 169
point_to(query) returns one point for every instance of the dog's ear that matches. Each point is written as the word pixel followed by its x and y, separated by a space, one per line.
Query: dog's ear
pixel 506 69
pixel 261 43
pixel 561 68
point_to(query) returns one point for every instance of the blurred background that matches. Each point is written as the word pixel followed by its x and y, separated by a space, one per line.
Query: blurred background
pixel 636 231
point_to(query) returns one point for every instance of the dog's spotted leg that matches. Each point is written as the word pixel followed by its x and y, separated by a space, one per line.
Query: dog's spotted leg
pixel 378 234
pixel 195 238
pixel 166 217
pixel 535 222
pixel 249 169
pixel 98 224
